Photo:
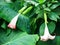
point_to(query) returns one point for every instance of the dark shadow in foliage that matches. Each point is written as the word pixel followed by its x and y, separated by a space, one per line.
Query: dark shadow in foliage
pixel 57 30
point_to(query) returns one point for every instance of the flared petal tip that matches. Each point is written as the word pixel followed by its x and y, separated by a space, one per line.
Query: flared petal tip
pixel 12 26
pixel 43 38
pixel 52 37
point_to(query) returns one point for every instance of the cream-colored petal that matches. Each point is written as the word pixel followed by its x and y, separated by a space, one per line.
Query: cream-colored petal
pixel 51 37
pixel 12 24
pixel 44 38
pixel 46 33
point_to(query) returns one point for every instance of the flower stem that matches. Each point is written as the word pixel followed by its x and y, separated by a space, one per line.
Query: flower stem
pixel 45 17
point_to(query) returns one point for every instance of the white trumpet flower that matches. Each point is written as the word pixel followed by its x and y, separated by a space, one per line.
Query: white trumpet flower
pixel 13 22
pixel 47 35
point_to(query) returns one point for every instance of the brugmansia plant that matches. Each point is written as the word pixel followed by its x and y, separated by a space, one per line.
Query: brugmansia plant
pixel 29 22
pixel 46 35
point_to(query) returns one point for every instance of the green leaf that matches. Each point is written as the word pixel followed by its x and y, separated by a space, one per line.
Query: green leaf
pixel 41 29
pixel 57 40
pixel 25 40
pixel 53 16
pixel 41 1
pixel 47 9
pixel 54 1
pixel 54 6
pixel 4 25
pixel 32 2
pixel 23 23
pixel 18 38
pixel 11 36
pixel 57 10
pixel 51 27
pixel 33 25
pixel 7 14
pixel 39 12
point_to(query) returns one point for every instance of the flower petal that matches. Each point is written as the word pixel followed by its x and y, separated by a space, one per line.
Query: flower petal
pixel 51 37
pixel 44 38
pixel 46 33
pixel 12 24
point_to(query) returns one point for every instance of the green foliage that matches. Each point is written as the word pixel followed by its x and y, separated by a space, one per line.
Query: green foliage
pixel 53 16
pixel 41 1
pixel 31 23
pixel 51 27
pixel 17 38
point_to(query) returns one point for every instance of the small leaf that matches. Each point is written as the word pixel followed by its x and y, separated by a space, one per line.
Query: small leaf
pixel 41 1
pixel 51 27
pixel 57 10
pixel 54 6
pixel 32 2
pixel 41 29
pixel 53 16
pixel 47 9
pixel 40 13
pixel 4 25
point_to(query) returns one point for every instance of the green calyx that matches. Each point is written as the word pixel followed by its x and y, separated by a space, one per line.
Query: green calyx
pixel 22 9
pixel 25 10
pixel 45 18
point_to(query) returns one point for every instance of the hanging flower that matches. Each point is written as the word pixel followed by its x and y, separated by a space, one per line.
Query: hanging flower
pixel 47 35
pixel 12 24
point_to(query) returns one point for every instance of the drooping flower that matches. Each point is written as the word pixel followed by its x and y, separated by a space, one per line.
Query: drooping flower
pixel 13 22
pixel 47 35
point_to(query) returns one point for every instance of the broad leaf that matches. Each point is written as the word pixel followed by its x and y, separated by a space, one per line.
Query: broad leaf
pixel 18 38
pixel 24 40
pixel 7 14
pixel 5 36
